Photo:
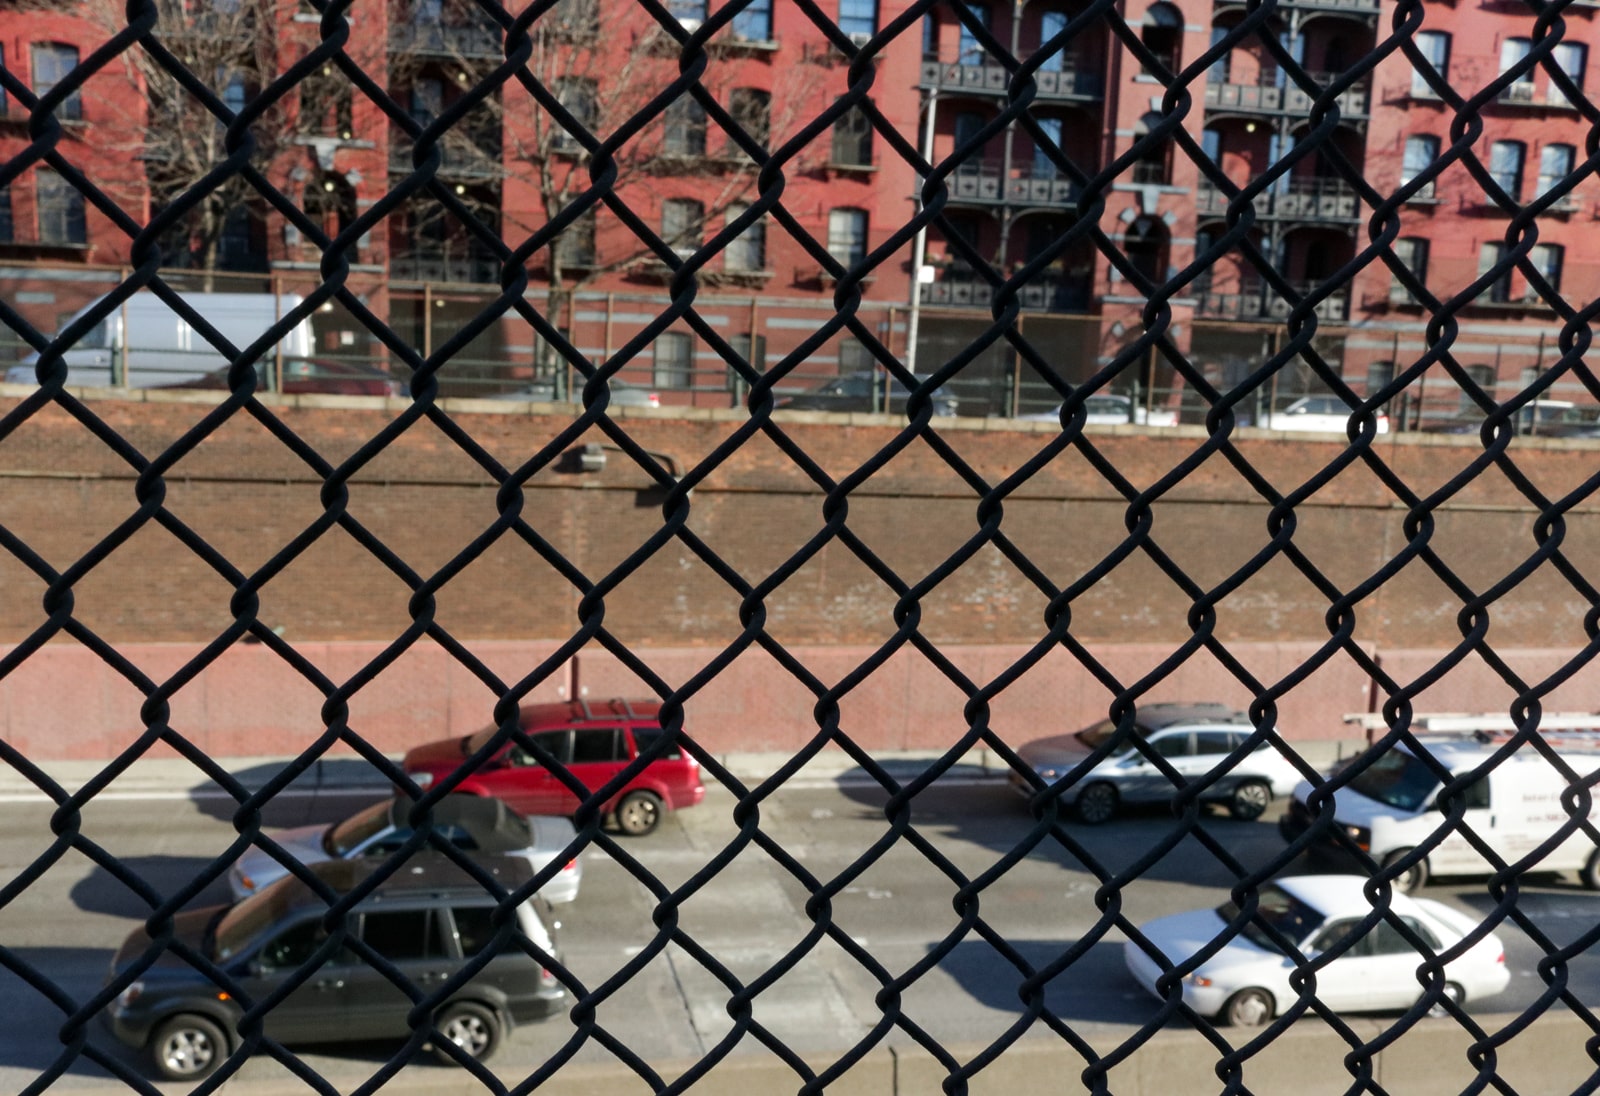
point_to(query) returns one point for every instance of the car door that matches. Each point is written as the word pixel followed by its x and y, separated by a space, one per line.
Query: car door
pixel 598 755
pixel 1490 820
pixel 314 1010
pixel 414 941
pixel 1139 781
pixel 1378 972
pixel 525 783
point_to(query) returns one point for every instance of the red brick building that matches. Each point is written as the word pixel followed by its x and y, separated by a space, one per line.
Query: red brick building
pixel 507 165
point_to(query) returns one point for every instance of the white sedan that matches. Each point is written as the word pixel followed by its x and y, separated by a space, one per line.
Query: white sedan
pixel 1325 414
pixel 1247 982
pixel 1109 409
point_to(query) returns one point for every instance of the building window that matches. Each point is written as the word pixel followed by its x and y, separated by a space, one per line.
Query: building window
pixel 970 50
pixel 1162 35
pixel 1513 51
pixel 1052 23
pixel 1421 151
pixel 581 98
pixel 683 225
pixel 685 120
pixel 858 18
pixel 60 211
pixel 1570 58
pixel 1152 164
pixel 575 246
pixel 325 104
pixel 1483 377
pixel 1546 259
pixel 672 364
pixel 748 250
pixel 752 109
pixel 1505 167
pixel 1491 259
pixel 236 247
pixel 1379 374
pixel 1412 253
pixel 852 139
pixel 1043 166
pixel 754 23
pixel 1146 245
pixel 577 19
pixel 1555 164
pixel 847 236
pixel 854 357
pixel 689 13
pixel 53 62
pixel 427 100
pixel 7 232
pixel 1434 46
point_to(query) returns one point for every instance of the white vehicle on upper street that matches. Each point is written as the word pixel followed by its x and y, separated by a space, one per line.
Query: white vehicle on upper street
pixel 1325 414
pixel 1247 981
pixel 1109 409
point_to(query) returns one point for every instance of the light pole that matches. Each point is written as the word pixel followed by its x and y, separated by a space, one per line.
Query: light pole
pixel 919 243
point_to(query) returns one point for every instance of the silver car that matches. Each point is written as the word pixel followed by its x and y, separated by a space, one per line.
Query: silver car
pixel 472 823
pixel 1193 739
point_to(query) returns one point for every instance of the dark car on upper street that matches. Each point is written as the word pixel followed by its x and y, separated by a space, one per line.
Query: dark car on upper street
pixel 877 392
pixel 428 920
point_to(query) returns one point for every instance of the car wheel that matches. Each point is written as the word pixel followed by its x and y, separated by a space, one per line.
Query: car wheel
pixel 1096 804
pixel 1452 993
pixel 1410 880
pixel 1589 875
pixel 1250 800
pixel 1248 1008
pixel 471 1028
pixel 188 1047
pixel 639 813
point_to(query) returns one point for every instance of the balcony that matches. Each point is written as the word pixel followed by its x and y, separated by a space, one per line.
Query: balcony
pixel 481 161
pixel 1311 200
pixel 1267 97
pixel 471 270
pixel 1255 300
pixel 982 184
pixel 961 288
pixel 444 40
pixel 1066 84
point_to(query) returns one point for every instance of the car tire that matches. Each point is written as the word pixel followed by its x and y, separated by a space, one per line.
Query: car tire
pixel 1096 804
pixel 1248 1008
pixel 1589 874
pixel 1454 993
pixel 639 813
pixel 1409 881
pixel 1250 800
pixel 188 1047
pixel 471 1028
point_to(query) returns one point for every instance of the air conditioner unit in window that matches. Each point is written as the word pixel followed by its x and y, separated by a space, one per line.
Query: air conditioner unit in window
pixel 689 23
pixel 1519 93
pixel 860 38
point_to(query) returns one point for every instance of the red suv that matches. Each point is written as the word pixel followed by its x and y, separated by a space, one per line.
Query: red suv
pixel 594 742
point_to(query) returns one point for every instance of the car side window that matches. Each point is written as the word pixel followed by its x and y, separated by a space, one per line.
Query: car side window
pixel 1173 745
pixel 557 743
pixel 293 946
pixel 1476 794
pixel 1386 940
pixel 388 845
pixel 1212 742
pixel 1423 931
pixel 1334 934
pixel 645 737
pixel 398 935
pixel 474 927
pixel 591 745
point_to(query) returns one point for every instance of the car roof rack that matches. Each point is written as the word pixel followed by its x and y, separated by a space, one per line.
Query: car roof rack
pixel 615 708
pixel 1576 730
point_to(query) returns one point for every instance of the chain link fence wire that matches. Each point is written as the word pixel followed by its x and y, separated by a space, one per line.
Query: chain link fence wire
pixel 151 34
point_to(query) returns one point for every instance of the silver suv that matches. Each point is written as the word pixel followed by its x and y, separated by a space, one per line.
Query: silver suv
pixel 1194 739
pixel 428 920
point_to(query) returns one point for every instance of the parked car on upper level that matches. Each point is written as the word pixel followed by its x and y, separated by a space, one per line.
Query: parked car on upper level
pixel 1247 981
pixel 622 394
pixel 1326 414
pixel 475 824
pixel 1193 738
pixel 593 743
pixel 428 920
pixel 1110 409
pixel 872 391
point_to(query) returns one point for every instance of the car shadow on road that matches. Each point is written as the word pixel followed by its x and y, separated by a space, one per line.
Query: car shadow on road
pixel 35 1046
pixel 101 892
pixel 328 791
pixel 1095 987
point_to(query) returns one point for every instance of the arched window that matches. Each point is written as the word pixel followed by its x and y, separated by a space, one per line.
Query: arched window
pixel 1146 247
pixel 1162 35
pixel 331 203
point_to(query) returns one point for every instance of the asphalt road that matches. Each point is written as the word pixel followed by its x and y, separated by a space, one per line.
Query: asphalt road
pixel 895 912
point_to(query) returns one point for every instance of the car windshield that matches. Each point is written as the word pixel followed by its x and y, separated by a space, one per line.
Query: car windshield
pixel 1097 735
pixel 1291 917
pixel 242 925
pixel 1397 780
pixel 344 836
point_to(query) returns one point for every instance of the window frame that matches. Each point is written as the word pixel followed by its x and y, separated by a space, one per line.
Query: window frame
pixel 59 201
pixel 1412 166
pixel 1438 59
pixel 746 253
pixel 672 370
pixel 683 218
pixel 46 59
pixel 849 230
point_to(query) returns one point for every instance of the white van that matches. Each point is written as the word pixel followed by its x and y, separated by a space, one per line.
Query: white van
pixel 145 344
pixel 1392 807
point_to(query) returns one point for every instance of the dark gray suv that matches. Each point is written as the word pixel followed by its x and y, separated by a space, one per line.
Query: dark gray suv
pixel 428 919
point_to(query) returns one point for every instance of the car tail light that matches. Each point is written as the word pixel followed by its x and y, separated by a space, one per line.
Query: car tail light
pixel 1501 958
pixel 654 399
pixel 571 864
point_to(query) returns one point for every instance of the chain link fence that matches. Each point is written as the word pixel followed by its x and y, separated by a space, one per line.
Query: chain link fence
pixel 1215 217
